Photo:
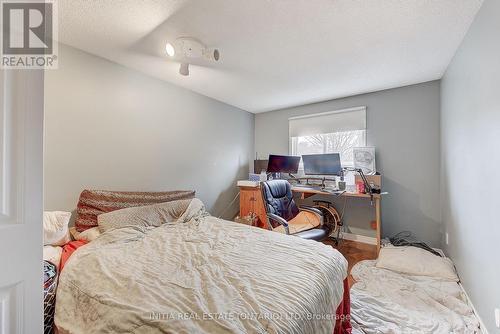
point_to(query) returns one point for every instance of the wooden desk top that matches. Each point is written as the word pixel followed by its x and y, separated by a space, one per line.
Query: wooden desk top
pixel 311 191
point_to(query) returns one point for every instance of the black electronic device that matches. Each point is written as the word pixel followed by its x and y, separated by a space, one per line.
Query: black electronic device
pixel 322 164
pixel 283 164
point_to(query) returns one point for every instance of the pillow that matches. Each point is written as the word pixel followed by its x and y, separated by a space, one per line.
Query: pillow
pixel 52 254
pixel 55 228
pixel 95 202
pixel 416 261
pixel 151 215
pixel 87 235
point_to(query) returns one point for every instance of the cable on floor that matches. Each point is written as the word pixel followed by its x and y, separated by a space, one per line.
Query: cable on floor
pixel 405 238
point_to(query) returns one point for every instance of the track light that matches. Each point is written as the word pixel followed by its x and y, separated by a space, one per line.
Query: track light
pixel 188 47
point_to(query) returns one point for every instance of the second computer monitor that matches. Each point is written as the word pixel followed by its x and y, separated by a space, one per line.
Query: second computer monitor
pixel 322 164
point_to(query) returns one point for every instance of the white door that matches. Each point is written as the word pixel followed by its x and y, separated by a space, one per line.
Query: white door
pixel 21 201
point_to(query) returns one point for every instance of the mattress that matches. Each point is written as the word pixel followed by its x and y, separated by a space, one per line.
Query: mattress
pixel 385 301
pixel 200 274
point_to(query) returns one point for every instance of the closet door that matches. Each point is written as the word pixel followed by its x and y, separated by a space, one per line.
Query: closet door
pixel 21 201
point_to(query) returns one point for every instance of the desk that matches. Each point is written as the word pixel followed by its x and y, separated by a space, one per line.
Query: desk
pixel 251 201
pixel 308 192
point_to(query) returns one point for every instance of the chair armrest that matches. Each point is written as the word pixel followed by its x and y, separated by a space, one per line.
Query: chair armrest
pixel 280 220
pixel 310 209
pixel 313 210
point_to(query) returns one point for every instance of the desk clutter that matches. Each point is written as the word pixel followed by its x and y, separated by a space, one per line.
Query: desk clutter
pixel 250 219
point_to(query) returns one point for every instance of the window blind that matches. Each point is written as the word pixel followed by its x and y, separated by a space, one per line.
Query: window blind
pixel 329 122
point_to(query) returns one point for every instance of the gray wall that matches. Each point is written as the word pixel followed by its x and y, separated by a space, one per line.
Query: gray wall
pixel 403 124
pixel 110 127
pixel 470 130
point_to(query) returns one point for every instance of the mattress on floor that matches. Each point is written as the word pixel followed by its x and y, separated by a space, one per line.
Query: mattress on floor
pixel 384 301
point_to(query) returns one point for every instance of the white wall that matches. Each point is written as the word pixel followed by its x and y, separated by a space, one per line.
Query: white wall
pixel 403 124
pixel 470 129
pixel 109 127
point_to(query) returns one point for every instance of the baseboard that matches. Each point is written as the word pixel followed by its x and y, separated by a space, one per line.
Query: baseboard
pixel 482 327
pixel 359 238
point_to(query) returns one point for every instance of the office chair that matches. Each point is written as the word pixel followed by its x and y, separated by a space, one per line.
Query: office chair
pixel 284 216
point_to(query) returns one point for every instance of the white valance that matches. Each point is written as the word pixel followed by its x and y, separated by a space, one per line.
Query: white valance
pixel 334 121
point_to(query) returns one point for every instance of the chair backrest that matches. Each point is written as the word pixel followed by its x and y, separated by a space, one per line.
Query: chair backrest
pixel 278 199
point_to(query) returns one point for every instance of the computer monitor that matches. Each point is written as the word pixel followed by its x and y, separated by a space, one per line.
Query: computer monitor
pixel 322 164
pixel 283 164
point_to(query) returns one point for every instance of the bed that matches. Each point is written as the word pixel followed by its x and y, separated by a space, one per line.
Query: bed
pixel 189 272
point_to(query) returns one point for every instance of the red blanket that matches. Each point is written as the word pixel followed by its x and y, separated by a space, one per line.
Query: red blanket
pixel 343 315
pixel 68 249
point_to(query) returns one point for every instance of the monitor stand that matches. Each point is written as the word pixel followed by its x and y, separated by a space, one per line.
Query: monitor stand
pixel 278 176
pixel 305 181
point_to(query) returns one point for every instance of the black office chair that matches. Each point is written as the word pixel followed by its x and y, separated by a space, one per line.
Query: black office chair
pixel 284 216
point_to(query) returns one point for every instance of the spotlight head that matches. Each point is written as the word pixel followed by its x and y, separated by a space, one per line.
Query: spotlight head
pixel 211 54
pixel 169 48
pixel 184 69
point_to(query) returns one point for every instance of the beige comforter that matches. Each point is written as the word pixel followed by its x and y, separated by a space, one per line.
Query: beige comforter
pixel 200 274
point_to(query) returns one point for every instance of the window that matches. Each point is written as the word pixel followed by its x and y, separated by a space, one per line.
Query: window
pixel 336 142
pixel 332 132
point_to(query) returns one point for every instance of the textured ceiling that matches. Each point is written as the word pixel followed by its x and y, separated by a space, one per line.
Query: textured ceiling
pixel 276 53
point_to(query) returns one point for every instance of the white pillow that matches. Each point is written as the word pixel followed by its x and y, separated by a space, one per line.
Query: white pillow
pixel 87 235
pixel 52 254
pixel 416 261
pixel 55 228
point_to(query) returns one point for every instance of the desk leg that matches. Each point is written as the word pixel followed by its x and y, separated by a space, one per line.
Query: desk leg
pixel 379 223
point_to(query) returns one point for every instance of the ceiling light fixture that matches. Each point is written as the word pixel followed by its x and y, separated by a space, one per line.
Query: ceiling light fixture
pixel 186 48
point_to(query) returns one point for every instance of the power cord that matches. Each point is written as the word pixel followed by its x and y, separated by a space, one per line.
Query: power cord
pixel 343 208
pixel 406 238
pixel 343 227
pixel 230 204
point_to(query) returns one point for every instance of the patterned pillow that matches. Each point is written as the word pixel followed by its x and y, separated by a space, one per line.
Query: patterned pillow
pixel 95 202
